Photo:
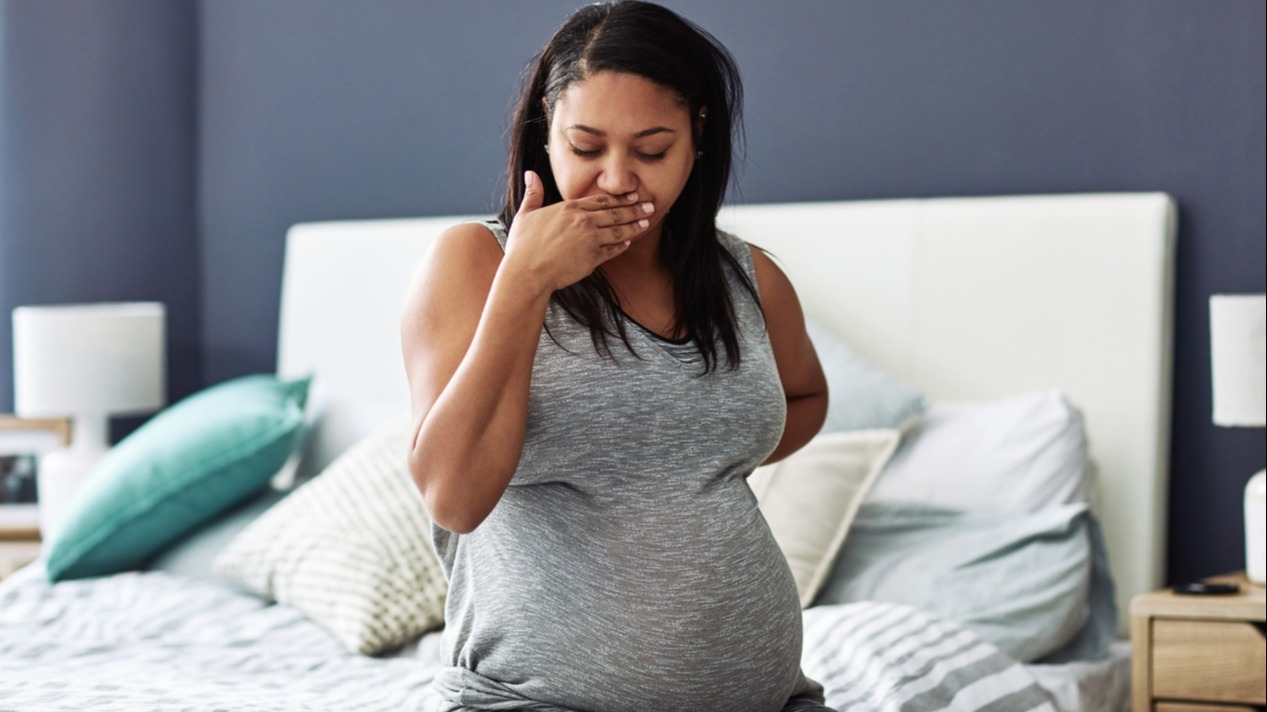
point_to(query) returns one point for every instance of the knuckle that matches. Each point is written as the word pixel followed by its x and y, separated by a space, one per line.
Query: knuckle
pixel 618 232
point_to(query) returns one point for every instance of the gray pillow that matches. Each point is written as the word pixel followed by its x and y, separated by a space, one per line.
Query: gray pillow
pixel 1027 582
pixel 1096 635
pixel 861 396
pixel 194 554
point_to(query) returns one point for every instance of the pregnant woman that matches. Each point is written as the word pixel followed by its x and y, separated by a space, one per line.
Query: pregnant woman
pixel 594 374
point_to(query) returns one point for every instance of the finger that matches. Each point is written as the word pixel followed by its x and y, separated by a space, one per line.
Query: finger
pixel 629 214
pixel 624 232
pixel 534 194
pixel 605 202
pixel 610 251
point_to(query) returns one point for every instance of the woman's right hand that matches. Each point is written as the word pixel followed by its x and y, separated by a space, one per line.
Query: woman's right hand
pixel 563 243
pixel 469 333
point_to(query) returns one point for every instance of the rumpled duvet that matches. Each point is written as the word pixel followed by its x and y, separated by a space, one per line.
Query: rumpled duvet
pixel 157 641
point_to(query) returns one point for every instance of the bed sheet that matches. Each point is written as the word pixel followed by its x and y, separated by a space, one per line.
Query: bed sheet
pixel 1090 686
pixel 152 640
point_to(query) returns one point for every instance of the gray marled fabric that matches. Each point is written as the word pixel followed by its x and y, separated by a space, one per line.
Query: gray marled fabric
pixel 627 567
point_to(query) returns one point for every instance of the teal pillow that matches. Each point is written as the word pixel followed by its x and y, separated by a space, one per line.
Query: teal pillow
pixel 186 465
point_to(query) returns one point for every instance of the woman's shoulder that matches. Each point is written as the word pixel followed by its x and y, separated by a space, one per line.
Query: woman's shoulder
pixel 495 226
pixel 475 229
pixel 464 249
pixel 473 235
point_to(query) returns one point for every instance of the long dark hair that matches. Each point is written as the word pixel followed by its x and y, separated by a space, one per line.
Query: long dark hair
pixel 655 43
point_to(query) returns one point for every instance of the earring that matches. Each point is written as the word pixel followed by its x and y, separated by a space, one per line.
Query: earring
pixel 699 154
pixel 546 146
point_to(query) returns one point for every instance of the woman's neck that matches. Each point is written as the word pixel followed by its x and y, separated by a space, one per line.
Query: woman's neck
pixel 643 286
pixel 639 262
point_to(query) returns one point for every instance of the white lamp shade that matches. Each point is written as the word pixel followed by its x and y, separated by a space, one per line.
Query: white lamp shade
pixel 107 359
pixel 1238 359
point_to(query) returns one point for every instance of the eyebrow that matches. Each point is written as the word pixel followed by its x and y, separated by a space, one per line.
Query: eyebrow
pixel 640 134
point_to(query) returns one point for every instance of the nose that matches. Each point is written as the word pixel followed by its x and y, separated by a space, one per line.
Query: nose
pixel 617 175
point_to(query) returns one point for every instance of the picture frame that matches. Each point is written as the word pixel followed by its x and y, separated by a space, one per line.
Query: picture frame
pixel 22 442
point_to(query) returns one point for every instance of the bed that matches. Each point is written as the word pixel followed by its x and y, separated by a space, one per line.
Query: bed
pixel 987 495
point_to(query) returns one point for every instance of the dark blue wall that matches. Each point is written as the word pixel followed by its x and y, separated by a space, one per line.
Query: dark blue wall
pixel 309 110
pixel 97 165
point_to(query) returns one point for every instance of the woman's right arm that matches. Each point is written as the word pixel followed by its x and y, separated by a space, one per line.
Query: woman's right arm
pixel 469 332
pixel 469 335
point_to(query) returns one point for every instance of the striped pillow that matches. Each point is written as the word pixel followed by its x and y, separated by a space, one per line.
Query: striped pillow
pixel 351 549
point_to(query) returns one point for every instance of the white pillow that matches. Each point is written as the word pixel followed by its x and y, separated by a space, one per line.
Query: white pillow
pixel 350 548
pixel 809 499
pixel 1021 454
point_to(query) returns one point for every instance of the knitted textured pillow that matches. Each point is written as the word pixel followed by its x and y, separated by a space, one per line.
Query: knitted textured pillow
pixel 809 499
pixel 351 549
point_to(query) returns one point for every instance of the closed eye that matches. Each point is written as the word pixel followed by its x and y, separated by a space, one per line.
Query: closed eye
pixel 649 157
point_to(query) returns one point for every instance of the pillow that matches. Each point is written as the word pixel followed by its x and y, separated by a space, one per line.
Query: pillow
pixel 1021 580
pixel 184 466
pixel 810 497
pixel 338 417
pixel 1093 640
pixel 1019 454
pixel 350 548
pixel 861 395
pixel 194 554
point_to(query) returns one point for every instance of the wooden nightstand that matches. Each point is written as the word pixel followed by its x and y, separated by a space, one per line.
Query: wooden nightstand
pixel 22 440
pixel 16 553
pixel 1199 653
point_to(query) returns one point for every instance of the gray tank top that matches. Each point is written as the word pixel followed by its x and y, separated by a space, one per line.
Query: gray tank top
pixel 627 567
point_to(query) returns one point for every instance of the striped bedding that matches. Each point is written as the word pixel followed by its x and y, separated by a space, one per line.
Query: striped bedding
pixel 154 641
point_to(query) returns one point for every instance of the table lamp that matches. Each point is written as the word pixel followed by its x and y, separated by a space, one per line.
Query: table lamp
pixel 85 362
pixel 1238 361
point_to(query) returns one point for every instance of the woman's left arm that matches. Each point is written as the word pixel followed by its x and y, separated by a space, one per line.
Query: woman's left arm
pixel 804 384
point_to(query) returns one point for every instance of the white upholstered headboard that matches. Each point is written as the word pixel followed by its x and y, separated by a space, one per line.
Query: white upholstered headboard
pixel 963 298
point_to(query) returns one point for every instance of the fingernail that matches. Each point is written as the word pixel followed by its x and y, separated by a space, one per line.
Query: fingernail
pixel 644 223
pixel 626 243
pixel 631 196
pixel 648 208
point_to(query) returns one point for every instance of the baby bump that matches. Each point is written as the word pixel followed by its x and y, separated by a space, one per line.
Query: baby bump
pixel 678 612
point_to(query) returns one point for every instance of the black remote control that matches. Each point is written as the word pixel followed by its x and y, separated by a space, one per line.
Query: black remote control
pixel 1201 588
